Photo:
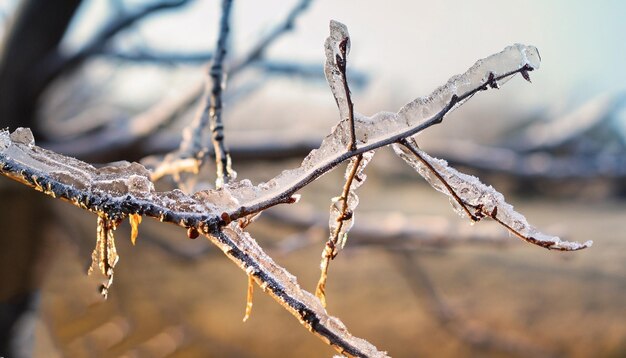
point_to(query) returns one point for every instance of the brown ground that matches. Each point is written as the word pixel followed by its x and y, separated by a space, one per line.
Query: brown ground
pixel 160 305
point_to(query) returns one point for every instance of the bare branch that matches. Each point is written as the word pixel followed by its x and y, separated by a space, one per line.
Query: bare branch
pixel 358 79
pixel 389 230
pixel 530 166
pixel 211 108
pixel 214 109
pixel 60 64
pixel 158 57
pixel 192 144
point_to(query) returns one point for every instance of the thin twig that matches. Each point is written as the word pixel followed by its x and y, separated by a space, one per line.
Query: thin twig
pixel 330 249
pixel 158 57
pixel 342 64
pixel 213 105
pixel 489 205
pixel 456 197
pixel 192 143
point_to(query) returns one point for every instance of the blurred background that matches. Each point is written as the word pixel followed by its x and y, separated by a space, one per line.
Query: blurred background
pixel 119 80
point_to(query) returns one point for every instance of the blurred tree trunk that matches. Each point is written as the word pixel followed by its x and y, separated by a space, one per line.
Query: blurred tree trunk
pixel 33 36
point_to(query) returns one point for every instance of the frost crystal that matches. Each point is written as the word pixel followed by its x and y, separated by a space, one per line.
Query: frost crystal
pixel 472 198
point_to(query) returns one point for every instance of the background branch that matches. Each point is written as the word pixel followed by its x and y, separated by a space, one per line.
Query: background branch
pixel 57 63
pixel 423 287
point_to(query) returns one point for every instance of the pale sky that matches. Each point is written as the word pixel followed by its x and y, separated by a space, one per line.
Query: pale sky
pixel 420 44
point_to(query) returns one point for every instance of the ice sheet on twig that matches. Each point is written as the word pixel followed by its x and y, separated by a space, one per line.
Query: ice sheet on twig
pixel 340 220
pixel 477 199
pixel 337 47
pixel 511 59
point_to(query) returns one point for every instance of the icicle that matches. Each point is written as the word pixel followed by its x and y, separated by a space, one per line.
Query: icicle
pixel 104 256
pixel 135 220
pixel 249 297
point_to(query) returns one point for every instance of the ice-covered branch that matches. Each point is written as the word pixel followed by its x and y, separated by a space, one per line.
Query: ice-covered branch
pixel 123 189
pixel 386 128
pixel 284 288
pixel 342 217
pixel 395 231
pixel 476 200
pixel 337 47
pixel 115 192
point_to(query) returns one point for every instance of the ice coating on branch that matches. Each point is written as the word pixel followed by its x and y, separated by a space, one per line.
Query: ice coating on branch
pixel 337 47
pixel 23 136
pixel 385 128
pixel 115 190
pixel 342 209
pixel 284 287
pixel 512 58
pixel 479 200
pixel 5 140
